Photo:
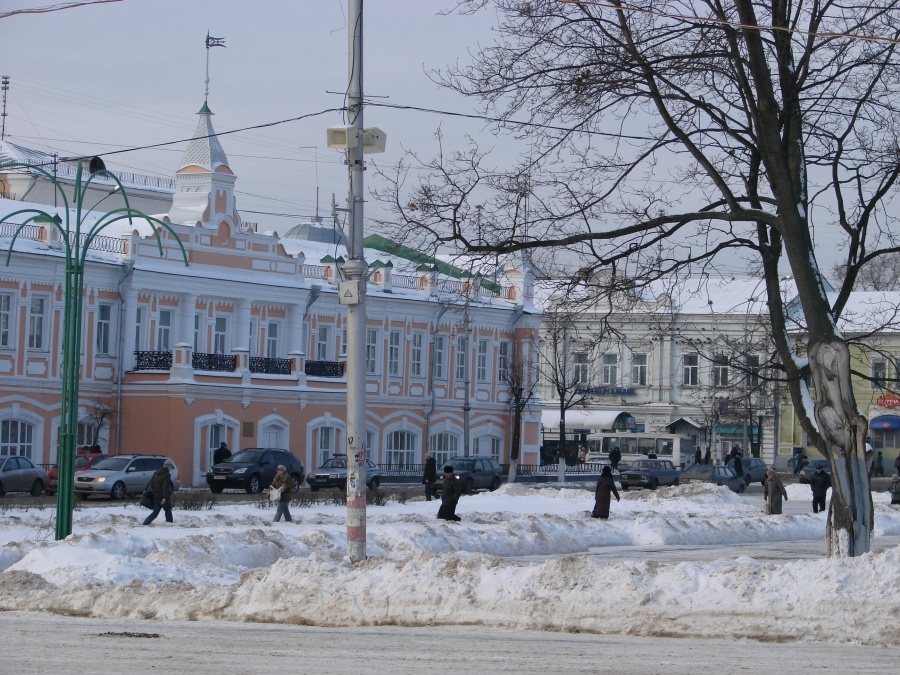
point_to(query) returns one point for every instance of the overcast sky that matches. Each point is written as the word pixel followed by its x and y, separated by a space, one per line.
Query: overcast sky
pixel 106 77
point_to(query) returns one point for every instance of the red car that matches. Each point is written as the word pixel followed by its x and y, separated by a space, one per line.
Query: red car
pixel 82 463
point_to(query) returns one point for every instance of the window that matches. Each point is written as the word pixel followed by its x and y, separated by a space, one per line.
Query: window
pixel 104 324
pixel 443 447
pixel 439 356
pixel 461 359
pixel 371 350
pixel 326 444
pixel 5 319
pixel 400 448
pixel 323 343
pixel 394 353
pixel 752 363
pixel 217 434
pixel 220 332
pixel 639 370
pixel 503 362
pixel 344 343
pixel 879 372
pixel 16 438
pixel 415 355
pixel 272 347
pixel 86 434
pixel 371 453
pixel 720 370
pixel 691 370
pixel 580 367
pixel 273 435
pixel 610 369
pixel 37 315
pixel 487 446
pixel 139 329
pixel 164 331
pixel 482 363
pixel 198 334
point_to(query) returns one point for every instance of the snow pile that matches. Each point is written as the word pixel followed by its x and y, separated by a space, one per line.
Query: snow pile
pixel 523 557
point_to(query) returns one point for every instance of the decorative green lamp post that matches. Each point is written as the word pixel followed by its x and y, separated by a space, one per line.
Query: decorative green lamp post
pixel 76 244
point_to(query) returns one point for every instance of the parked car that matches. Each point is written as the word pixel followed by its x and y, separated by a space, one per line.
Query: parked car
pixel 754 469
pixel 333 474
pixel 710 473
pixel 20 474
pixel 805 475
pixel 649 473
pixel 475 473
pixel 82 463
pixel 119 476
pixel 253 469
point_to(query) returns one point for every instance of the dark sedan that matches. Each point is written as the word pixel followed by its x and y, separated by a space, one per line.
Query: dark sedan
pixel 475 473
pixel 754 470
pixel 649 473
pixel 253 469
pixel 333 474
pixel 719 475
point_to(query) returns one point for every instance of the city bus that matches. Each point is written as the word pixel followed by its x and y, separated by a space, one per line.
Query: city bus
pixel 634 446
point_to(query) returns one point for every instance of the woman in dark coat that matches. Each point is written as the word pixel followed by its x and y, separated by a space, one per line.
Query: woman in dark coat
pixel 605 486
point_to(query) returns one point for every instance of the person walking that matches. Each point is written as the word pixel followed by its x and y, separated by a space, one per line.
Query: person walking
pixel 819 482
pixel 897 464
pixel 284 483
pixel 879 465
pixel 450 494
pixel 221 454
pixel 606 486
pixel 429 477
pixel 895 488
pixel 773 491
pixel 698 456
pixel 738 461
pixel 162 489
pixel 615 456
pixel 707 458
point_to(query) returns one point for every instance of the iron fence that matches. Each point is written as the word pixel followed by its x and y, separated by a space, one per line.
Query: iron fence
pixel 223 363
pixel 324 368
pixel 152 360
pixel 269 366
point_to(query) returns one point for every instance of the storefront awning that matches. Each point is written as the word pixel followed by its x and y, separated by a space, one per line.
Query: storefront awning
pixel 735 429
pixel 885 422
pixel 595 420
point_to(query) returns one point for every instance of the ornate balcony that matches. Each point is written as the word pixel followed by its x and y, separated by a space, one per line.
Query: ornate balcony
pixel 324 369
pixel 266 366
pixel 223 363
pixel 152 360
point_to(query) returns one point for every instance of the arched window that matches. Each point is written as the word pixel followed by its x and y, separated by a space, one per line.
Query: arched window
pixel 16 438
pixel 400 448
pixel 443 446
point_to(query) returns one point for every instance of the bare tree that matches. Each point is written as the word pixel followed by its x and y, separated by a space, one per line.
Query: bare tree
pixel 662 135
pixel 520 377
pixel 879 274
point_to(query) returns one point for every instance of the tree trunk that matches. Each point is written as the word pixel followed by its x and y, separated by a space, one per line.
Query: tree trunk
pixel 562 454
pixel 516 442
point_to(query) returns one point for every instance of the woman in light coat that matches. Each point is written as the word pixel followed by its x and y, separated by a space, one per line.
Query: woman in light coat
pixel 774 491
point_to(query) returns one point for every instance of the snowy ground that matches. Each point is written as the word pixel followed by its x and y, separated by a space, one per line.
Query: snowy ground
pixel 525 558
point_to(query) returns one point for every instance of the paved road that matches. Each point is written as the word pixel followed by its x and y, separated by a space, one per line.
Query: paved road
pixel 34 644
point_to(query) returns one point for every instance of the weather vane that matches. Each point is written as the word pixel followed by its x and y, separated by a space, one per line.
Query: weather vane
pixel 210 42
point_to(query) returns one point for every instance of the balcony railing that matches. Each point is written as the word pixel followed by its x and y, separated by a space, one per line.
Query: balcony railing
pixel 152 360
pixel 266 366
pixel 223 363
pixel 324 369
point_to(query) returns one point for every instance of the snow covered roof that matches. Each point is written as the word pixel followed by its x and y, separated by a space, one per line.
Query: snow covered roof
pixel 204 150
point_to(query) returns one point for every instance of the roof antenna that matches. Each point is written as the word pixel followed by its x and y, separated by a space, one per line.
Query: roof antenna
pixel 4 84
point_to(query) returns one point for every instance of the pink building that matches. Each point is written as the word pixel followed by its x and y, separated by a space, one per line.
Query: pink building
pixel 246 343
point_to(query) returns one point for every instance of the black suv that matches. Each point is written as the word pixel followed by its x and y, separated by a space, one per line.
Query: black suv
pixel 474 473
pixel 253 469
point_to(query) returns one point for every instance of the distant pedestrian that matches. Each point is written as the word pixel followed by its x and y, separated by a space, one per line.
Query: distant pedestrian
pixel 738 460
pixel 773 491
pixel 819 482
pixel 162 489
pixel 879 465
pixel 897 464
pixel 615 456
pixel 606 486
pixel 651 454
pixel 221 454
pixel 804 460
pixel 429 477
pixel 707 458
pixel 450 494
pixel 284 483
pixel 895 489
pixel 582 453
pixel 698 456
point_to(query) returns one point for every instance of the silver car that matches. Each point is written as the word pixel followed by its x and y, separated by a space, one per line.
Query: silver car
pixel 119 476
pixel 20 474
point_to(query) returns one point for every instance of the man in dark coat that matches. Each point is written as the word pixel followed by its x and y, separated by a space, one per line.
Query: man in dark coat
pixel 429 477
pixel 450 494
pixel 738 458
pixel 221 454
pixel 819 482
pixel 606 486
pixel 162 488
pixel 698 456
pixel 707 458
pixel 615 456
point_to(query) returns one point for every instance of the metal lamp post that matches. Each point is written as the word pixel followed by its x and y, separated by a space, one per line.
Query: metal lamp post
pixel 75 245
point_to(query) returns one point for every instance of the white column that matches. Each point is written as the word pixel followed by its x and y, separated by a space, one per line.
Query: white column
pixel 294 329
pixel 241 339
pixel 187 307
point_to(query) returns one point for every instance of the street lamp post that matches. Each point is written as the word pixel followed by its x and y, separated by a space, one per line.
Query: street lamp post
pixel 75 245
